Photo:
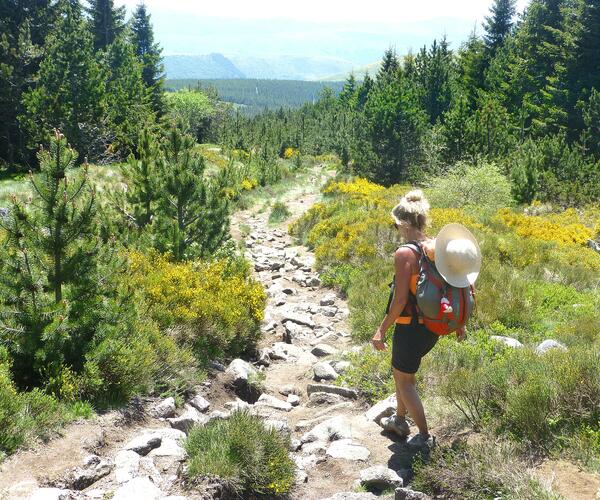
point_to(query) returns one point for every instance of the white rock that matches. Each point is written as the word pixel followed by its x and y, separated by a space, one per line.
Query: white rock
pixel 51 494
pixel 293 399
pixel 548 345
pixel 188 419
pixel 509 341
pixel 279 425
pixel 236 405
pixel 169 433
pixel 169 448
pixel 337 427
pixel 273 402
pixel 301 319
pixel 200 403
pixel 288 389
pixel 351 495
pixel 333 389
pixel 408 494
pixel 240 370
pixel 328 311
pixel 143 443
pixel 379 477
pixel 321 350
pixel 313 281
pixel 163 409
pixel 348 450
pixel 96 494
pixel 139 488
pixel 384 408
pixel 324 371
pixel 328 300
pixel 295 444
pixel 127 464
pixel 340 366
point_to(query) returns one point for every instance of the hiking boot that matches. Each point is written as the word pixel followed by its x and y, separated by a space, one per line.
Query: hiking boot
pixel 395 424
pixel 421 441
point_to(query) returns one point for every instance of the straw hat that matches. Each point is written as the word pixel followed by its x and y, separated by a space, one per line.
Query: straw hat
pixel 457 255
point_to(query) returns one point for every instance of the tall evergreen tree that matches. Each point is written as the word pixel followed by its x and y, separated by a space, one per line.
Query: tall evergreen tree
pixel 149 54
pixel 192 219
pixel 389 65
pixel 470 69
pixel 49 276
pixel 106 22
pixel 498 25
pixel 70 93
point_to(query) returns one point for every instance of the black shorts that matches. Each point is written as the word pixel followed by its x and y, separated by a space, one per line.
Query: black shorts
pixel 410 344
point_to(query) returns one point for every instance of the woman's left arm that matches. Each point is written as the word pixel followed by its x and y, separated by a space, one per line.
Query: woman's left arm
pixel 403 268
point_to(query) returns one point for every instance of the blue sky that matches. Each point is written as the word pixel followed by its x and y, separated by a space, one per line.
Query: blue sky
pixel 355 31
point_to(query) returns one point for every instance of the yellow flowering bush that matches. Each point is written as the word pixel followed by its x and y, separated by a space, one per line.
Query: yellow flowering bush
pixel 290 153
pixel 216 307
pixel 248 184
pixel 439 217
pixel 560 228
pixel 359 188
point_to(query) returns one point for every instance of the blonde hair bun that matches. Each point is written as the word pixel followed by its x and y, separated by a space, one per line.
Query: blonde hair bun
pixel 413 208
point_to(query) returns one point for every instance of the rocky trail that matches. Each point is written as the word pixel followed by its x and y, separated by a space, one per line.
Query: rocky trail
pixel 336 442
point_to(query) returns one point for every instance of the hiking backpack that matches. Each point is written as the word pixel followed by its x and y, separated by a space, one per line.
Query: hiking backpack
pixel 441 307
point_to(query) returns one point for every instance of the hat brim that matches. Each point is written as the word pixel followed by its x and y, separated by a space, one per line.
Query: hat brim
pixel 451 232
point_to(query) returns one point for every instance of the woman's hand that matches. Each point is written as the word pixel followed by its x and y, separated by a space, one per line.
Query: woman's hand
pixel 377 341
pixel 461 333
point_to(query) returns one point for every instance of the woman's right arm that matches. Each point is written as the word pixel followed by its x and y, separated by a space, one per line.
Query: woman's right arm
pixel 403 267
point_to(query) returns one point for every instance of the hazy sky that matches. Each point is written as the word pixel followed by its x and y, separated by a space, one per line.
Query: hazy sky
pixel 358 31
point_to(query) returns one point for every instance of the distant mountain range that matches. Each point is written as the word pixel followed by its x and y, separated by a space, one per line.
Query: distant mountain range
pixel 217 65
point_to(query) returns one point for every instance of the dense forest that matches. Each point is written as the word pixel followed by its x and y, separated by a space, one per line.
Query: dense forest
pixel 256 96
pixel 524 95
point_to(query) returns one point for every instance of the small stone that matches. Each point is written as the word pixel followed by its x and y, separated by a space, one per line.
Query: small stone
pixel 273 402
pixel 327 300
pixel 236 405
pixel 324 371
pixel 264 358
pixel 218 415
pixel 144 443
pixel 379 477
pixel 328 311
pixel 301 476
pixel 323 399
pixel 215 365
pixel 288 291
pixel 384 408
pixel 333 389
pixel 293 399
pixel 408 494
pixel 313 281
pixel 295 444
pixel 348 450
pixel 288 389
pixel 188 419
pixel 321 350
pixel 350 495
pixel 163 409
pixel 340 366
pixel 279 425
pixel 548 345
pixel 240 370
pixel 138 488
pixel 51 494
pixel 200 403
pixel 508 341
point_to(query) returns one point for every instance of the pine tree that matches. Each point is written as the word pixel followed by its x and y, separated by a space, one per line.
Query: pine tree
pixel 348 91
pixel 106 23
pixel 389 66
pixel 364 90
pixel 471 67
pixel 50 266
pixel 588 48
pixel 498 25
pixel 128 103
pixel 69 95
pixel 149 54
pixel 192 219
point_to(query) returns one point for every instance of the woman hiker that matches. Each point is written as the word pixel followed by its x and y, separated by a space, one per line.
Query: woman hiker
pixel 458 263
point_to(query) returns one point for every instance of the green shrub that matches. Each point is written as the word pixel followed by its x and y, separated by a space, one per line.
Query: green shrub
pixel 249 457
pixel 279 213
pixel 480 189
pixel 194 108
pixel 490 469
pixel 341 276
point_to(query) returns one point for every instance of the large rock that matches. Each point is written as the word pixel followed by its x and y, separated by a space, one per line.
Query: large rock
pixel 333 389
pixel 169 448
pixel 328 300
pixel 384 408
pixel 324 371
pixel 139 488
pixel 163 409
pixel 240 370
pixel 508 341
pixel 300 319
pixel 200 403
pixel 51 494
pixel 293 399
pixel 143 443
pixel 330 430
pixel 348 450
pixel 79 479
pixel 273 402
pixel 548 345
pixel 127 464
pixel 408 494
pixel 321 350
pixel 188 419
pixel 379 477
pixel 340 366
pixel 279 425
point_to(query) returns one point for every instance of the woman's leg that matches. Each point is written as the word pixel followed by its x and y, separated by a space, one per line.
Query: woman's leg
pixel 406 389
pixel 400 406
